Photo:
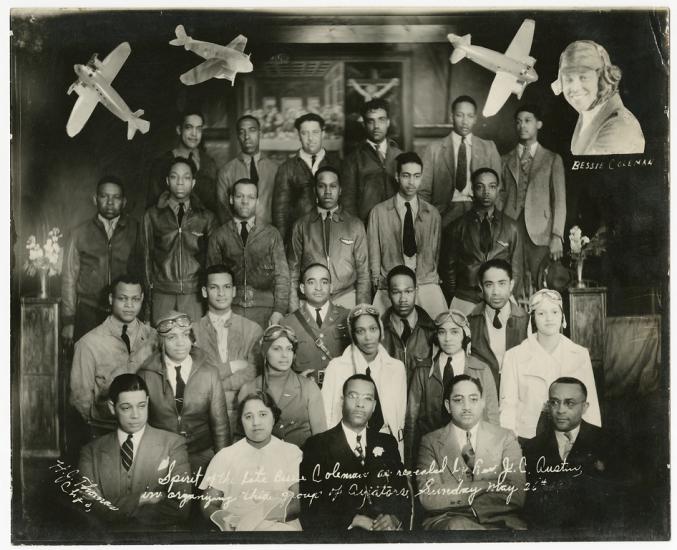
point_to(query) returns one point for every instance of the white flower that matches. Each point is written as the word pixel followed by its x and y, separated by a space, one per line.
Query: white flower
pixel 585 240
pixel 378 451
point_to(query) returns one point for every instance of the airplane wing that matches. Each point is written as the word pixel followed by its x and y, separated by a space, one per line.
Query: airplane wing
pixel 204 71
pixel 114 61
pixel 84 106
pixel 238 43
pixel 521 44
pixel 501 87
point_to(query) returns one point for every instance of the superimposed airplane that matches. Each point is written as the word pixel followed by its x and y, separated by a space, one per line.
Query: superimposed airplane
pixel 93 86
pixel 514 69
pixel 221 61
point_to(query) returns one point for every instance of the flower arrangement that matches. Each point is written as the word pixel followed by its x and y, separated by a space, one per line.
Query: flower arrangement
pixel 46 258
pixel 582 246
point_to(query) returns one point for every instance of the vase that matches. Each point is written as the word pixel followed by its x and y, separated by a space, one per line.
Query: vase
pixel 43 284
pixel 579 273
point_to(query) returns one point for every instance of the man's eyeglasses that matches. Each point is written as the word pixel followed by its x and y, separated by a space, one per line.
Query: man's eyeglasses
pixel 568 403
pixel 167 325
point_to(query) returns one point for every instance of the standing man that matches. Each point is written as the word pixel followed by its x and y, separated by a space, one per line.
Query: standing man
pixel 450 162
pixel 174 243
pixel 294 193
pixel 249 164
pixel 119 345
pixel 497 322
pixel 255 251
pixel 319 324
pixel 99 250
pixel 331 236
pixel 535 193
pixel 368 173
pixel 229 339
pixel 189 128
pixel 405 230
pixel 481 234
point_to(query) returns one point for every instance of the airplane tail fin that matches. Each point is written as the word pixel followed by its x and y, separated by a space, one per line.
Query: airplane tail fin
pixel 457 42
pixel 137 124
pixel 182 39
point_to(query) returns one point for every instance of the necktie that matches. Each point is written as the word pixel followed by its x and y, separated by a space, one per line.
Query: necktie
pixel 181 212
pixel 567 447
pixel 253 172
pixel 525 161
pixel 408 236
pixel 312 162
pixel 244 233
pixel 485 235
pixel 497 321
pixel 406 331
pixel 127 452
pixel 468 453
pixel 327 232
pixel 180 388
pixel 125 338
pixel 318 317
pixel 447 374
pixel 368 372
pixel 359 451
pixel 462 167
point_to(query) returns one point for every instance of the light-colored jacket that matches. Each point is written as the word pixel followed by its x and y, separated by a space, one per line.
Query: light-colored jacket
pixel 526 375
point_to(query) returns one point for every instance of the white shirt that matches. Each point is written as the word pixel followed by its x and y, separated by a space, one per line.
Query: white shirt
pixel 466 194
pixel 410 262
pixel 136 439
pixel 497 336
pixel 562 441
pixel 323 213
pixel 381 148
pixel 457 363
pixel 323 310
pixel 248 160
pixel 587 116
pixel 532 150
pixel 109 225
pixel 462 438
pixel 351 437
pixel 186 367
pixel 218 322
pixel 308 159
pixel 250 223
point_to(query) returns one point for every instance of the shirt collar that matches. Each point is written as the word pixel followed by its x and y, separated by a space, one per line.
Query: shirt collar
pixel 503 313
pixel 461 437
pixel 109 223
pixel 412 318
pixel 351 437
pixel 457 139
pixel 247 158
pixel 174 204
pixel 587 116
pixel 116 325
pixel 136 437
pixel 480 215
pixel 193 155
pixel 532 149
pixel 323 213
pixel 323 310
pixel 250 221
pixel 383 146
pixel 186 364
pixel 457 362
pixel 308 157
pixel 400 200
pixel 221 320
pixel 562 439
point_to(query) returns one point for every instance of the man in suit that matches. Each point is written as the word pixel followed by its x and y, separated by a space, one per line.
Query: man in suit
pixel 570 473
pixel 497 322
pixel 368 173
pixel 319 324
pixel 125 472
pixel 534 193
pixel 370 491
pixel 470 473
pixel 250 164
pixel 449 163
pixel 481 234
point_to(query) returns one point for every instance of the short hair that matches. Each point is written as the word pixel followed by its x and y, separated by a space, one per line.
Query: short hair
pixel 495 263
pixel 400 270
pixel 217 268
pixel 126 382
pixel 245 117
pixel 529 108
pixel 311 266
pixel 405 158
pixel 327 168
pixel 484 170
pixel 309 117
pixel 359 376
pixel 463 99
pixel 111 179
pixel 125 279
pixel 570 380
pixel 461 378
pixel 184 160
pixel 185 113
pixel 376 103
pixel 266 399
pixel 245 181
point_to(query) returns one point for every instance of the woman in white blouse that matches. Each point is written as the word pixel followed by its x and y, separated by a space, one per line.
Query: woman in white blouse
pixel 530 368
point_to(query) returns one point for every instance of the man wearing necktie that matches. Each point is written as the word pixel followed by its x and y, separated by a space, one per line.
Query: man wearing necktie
pixel 534 193
pixel 472 473
pixel 249 164
pixel 481 234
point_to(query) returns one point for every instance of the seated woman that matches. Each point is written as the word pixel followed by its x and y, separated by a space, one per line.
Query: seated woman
pixel 530 368
pixel 451 357
pixel 298 397
pixel 252 485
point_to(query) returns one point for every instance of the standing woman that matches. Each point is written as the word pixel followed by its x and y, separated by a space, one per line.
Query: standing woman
pixel 530 368
pixel 298 397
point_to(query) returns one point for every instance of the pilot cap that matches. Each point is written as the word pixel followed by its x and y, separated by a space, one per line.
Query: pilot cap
pixel 585 55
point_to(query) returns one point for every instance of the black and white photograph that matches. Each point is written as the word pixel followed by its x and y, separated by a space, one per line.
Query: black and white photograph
pixel 320 275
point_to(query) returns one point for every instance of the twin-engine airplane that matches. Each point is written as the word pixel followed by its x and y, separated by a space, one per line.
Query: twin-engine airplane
pixel 221 61
pixel 93 86
pixel 514 69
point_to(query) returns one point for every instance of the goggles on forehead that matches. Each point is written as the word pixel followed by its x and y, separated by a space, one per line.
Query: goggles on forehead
pixel 165 326
pixel 363 309
pixel 273 332
pixel 544 294
pixel 453 315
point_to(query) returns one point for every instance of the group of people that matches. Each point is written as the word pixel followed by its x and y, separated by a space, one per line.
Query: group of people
pixel 332 345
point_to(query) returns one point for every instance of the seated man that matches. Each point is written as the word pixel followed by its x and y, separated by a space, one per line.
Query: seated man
pixel 469 472
pixel 320 325
pixel 124 469
pixel 118 345
pixel 371 494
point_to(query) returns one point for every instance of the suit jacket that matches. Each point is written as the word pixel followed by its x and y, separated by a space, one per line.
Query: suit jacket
pixel 613 131
pixel 545 206
pixel 158 451
pixel 497 454
pixel 439 170
pixel 335 507
pixel 515 333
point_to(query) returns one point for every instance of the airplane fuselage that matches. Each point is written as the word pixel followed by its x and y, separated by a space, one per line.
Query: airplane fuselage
pixel 110 99
pixel 235 60
pixel 498 62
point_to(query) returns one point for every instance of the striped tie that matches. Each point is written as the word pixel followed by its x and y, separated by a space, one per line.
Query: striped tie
pixel 359 451
pixel 127 452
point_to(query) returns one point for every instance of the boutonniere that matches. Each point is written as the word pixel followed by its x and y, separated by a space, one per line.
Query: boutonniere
pixel 378 451
pixel 164 464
